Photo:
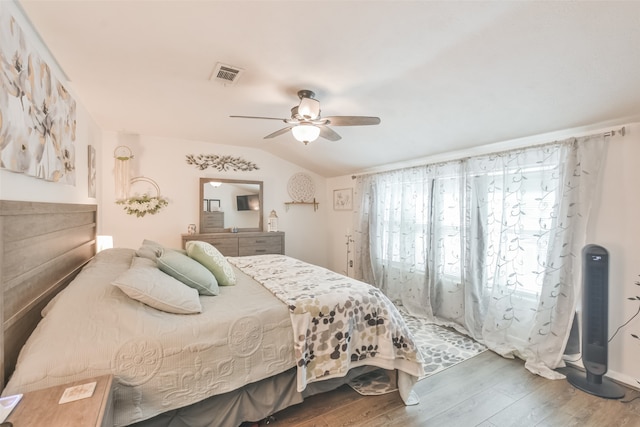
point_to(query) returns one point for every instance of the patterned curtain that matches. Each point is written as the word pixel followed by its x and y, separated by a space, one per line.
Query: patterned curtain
pixel 489 245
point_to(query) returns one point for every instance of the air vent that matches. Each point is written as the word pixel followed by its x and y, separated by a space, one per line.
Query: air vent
pixel 226 74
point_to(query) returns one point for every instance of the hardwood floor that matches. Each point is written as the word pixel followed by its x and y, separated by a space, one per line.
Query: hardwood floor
pixel 484 391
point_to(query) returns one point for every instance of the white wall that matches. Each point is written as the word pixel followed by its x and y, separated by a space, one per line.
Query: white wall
pixel 340 224
pixel 164 161
pixel 614 224
pixel 16 186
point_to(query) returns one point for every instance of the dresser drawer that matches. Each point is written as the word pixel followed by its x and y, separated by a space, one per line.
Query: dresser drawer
pixel 211 221
pixel 228 246
pixel 241 244
pixel 259 245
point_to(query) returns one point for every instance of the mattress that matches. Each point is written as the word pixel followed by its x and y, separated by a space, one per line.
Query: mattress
pixel 282 316
pixel 161 361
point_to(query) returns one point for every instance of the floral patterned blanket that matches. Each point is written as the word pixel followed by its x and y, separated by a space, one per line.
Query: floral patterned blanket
pixel 338 322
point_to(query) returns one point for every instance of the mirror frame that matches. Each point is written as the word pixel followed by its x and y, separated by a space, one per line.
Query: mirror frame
pixel 203 181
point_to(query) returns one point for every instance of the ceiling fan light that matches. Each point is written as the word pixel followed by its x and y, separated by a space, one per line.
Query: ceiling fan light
pixel 309 108
pixel 305 132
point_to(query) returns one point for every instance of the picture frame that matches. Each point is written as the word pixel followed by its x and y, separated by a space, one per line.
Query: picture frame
pixel 343 199
pixel 211 205
pixel 91 171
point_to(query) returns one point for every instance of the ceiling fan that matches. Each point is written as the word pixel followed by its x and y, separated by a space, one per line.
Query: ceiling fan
pixel 307 125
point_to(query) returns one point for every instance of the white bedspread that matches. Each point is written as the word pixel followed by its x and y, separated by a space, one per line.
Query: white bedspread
pixel 160 361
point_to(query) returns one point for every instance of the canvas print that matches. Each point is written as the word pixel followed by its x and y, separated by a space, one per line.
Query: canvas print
pixel 92 172
pixel 37 114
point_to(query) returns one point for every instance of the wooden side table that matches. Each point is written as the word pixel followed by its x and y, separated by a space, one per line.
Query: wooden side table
pixel 41 407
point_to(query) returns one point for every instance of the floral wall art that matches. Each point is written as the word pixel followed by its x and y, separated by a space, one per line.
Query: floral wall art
pixel 37 114
pixel 91 185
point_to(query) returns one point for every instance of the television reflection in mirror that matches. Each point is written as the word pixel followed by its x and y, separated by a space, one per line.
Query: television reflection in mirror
pixel 248 202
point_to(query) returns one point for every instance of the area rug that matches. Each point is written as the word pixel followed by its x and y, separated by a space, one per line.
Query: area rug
pixel 441 348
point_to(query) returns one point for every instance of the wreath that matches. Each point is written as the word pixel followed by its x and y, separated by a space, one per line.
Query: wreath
pixel 142 205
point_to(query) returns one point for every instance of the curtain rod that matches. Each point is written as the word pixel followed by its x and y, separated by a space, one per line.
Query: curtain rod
pixel 621 132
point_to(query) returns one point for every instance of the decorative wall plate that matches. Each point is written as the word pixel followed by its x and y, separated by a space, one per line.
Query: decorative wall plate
pixel 301 188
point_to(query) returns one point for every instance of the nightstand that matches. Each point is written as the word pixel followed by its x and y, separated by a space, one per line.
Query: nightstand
pixel 41 408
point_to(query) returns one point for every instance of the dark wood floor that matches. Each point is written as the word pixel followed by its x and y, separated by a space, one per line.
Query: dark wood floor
pixel 485 391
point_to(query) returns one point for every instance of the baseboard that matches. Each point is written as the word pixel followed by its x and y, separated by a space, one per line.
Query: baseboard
pixel 622 379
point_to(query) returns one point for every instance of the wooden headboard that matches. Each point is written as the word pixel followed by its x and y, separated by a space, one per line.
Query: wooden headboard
pixel 43 246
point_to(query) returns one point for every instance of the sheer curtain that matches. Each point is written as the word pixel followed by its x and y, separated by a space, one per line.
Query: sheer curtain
pixel 489 245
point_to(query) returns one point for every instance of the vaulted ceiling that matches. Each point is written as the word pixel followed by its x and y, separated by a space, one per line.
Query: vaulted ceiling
pixel 441 75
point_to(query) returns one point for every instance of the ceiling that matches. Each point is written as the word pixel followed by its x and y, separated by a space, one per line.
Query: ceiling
pixel 441 75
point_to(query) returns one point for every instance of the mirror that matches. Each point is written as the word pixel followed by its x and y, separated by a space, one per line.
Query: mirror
pixel 229 203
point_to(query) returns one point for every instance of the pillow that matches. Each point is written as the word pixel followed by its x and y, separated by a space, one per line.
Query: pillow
pixel 188 271
pixel 207 255
pixel 145 283
pixel 147 242
pixel 153 250
pixel 148 252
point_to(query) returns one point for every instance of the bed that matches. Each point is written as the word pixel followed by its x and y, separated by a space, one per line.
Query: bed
pixel 237 352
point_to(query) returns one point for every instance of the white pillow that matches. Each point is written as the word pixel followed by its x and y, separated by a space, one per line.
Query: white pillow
pixel 144 282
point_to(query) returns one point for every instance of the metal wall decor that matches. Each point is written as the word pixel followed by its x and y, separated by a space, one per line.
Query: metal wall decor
pixel 220 163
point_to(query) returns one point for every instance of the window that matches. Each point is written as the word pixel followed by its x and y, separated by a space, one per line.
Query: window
pixel 512 212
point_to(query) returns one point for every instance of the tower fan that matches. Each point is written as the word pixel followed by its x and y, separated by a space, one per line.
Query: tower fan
pixel 595 304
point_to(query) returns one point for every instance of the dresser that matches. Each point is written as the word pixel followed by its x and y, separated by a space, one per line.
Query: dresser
pixel 243 243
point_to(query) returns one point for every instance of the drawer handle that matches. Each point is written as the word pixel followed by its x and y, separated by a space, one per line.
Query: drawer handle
pixel 260 241
pixel 261 250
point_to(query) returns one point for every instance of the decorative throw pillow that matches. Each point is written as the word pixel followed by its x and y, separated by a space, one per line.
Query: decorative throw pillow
pixel 147 242
pixel 152 250
pixel 148 252
pixel 145 283
pixel 207 255
pixel 188 271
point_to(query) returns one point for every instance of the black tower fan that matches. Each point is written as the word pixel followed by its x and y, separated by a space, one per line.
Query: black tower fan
pixel 595 329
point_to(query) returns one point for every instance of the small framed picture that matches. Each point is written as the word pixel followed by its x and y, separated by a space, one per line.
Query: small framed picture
pixel 343 199
pixel 91 188
pixel 211 205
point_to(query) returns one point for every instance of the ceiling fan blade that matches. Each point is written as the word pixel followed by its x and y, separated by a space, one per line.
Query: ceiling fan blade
pixel 328 133
pixel 278 132
pixel 255 117
pixel 352 120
